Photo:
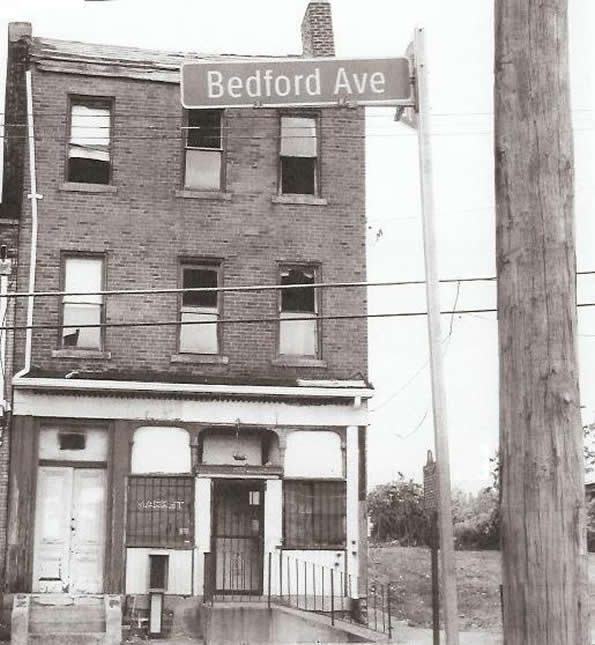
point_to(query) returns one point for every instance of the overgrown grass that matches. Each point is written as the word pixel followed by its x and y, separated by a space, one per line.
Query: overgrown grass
pixel 408 568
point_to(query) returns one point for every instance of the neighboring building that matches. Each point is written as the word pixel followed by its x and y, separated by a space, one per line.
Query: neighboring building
pixel 178 446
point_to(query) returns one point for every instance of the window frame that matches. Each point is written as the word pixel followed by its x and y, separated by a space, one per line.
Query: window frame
pixel 316 115
pixel 64 257
pixel 316 269
pixel 211 264
pixel 222 150
pixel 312 545
pixel 89 100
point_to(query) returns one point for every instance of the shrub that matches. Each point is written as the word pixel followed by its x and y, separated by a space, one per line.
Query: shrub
pixel 396 512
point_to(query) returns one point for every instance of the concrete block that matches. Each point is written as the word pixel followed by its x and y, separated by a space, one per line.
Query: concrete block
pixel 19 633
pixel 113 620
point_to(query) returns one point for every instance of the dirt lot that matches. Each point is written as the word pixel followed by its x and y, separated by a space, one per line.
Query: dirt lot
pixel 478 580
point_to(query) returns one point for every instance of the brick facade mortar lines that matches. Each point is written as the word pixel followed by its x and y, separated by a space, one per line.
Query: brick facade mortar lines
pixel 144 229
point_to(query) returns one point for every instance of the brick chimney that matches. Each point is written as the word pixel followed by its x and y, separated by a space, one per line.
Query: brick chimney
pixel 15 118
pixel 317 30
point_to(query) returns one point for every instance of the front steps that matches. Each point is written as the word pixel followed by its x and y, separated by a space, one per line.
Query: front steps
pixel 64 619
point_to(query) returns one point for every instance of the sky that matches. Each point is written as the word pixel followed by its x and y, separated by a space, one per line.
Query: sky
pixel 459 40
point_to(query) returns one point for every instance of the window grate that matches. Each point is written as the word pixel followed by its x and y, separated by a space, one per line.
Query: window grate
pixel 314 514
pixel 160 511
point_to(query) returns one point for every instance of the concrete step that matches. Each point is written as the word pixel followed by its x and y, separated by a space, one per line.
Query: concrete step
pixel 73 614
pixel 66 619
pixel 67 638
pixel 49 627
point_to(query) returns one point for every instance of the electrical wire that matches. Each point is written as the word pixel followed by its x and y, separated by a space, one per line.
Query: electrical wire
pixel 261 287
pixel 420 423
pixel 247 288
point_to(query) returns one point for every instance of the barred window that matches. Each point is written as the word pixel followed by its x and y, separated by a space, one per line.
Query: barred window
pixel 160 512
pixel 314 514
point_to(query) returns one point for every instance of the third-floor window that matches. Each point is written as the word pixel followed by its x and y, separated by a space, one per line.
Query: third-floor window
pixel 204 150
pixel 299 168
pixel 89 141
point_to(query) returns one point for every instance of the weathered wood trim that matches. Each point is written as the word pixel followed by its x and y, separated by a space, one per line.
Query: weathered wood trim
pixel 120 466
pixel 112 71
pixel 21 522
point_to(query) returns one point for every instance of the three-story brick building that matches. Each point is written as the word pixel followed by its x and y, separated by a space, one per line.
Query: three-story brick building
pixel 166 415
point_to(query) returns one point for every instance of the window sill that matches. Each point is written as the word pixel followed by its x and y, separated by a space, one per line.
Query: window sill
pixel 211 359
pixel 204 194
pixel 81 353
pixel 308 200
pixel 298 361
pixel 314 547
pixel 76 187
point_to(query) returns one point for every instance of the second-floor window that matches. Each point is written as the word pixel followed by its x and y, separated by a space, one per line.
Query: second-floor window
pixel 82 275
pixel 89 141
pixel 299 155
pixel 199 307
pixel 298 312
pixel 204 150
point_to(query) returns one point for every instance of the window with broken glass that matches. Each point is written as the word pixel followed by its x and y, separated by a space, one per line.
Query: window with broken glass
pixel 298 312
pixel 204 150
pixel 201 308
pixel 83 278
pixel 299 155
pixel 89 142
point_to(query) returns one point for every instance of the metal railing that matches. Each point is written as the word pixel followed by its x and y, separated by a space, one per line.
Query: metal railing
pixel 308 586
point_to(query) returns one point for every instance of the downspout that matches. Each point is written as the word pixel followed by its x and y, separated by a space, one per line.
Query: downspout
pixel 33 196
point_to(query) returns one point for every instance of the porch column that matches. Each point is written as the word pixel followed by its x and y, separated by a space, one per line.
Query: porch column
pixel 202 530
pixel 352 476
pixel 273 532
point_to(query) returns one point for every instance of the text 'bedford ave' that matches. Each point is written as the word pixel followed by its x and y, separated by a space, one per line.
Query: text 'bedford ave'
pixel 305 82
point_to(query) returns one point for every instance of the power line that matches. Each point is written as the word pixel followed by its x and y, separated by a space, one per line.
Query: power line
pixel 423 367
pixel 248 288
pixel 251 288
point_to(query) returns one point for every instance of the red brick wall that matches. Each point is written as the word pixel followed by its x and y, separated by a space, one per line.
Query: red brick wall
pixel 144 229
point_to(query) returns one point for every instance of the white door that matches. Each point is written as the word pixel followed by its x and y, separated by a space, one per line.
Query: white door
pixel 69 530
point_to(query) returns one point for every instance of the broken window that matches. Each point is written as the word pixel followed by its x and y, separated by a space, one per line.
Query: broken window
pixel 204 150
pixel 298 325
pixel 82 304
pixel 201 307
pixel 299 155
pixel 89 143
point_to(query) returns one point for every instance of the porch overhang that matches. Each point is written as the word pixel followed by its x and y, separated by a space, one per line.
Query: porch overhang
pixel 304 388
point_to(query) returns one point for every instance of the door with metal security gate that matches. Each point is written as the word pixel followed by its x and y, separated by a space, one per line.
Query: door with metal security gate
pixel 238 524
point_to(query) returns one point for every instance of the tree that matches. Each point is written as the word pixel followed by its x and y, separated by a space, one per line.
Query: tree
pixel 397 513
pixel 541 474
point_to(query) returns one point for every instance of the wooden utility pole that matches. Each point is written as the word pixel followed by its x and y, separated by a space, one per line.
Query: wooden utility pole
pixel 542 473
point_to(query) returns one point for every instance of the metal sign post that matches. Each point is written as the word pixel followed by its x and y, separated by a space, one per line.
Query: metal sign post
pixel 431 508
pixel 449 590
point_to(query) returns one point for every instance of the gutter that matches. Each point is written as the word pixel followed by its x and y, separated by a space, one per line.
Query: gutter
pixel 33 196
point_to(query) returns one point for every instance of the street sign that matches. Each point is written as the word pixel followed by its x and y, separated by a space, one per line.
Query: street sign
pixel 430 485
pixel 300 82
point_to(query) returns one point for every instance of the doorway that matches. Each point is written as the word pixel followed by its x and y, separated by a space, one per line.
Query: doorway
pixel 238 536
pixel 69 545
